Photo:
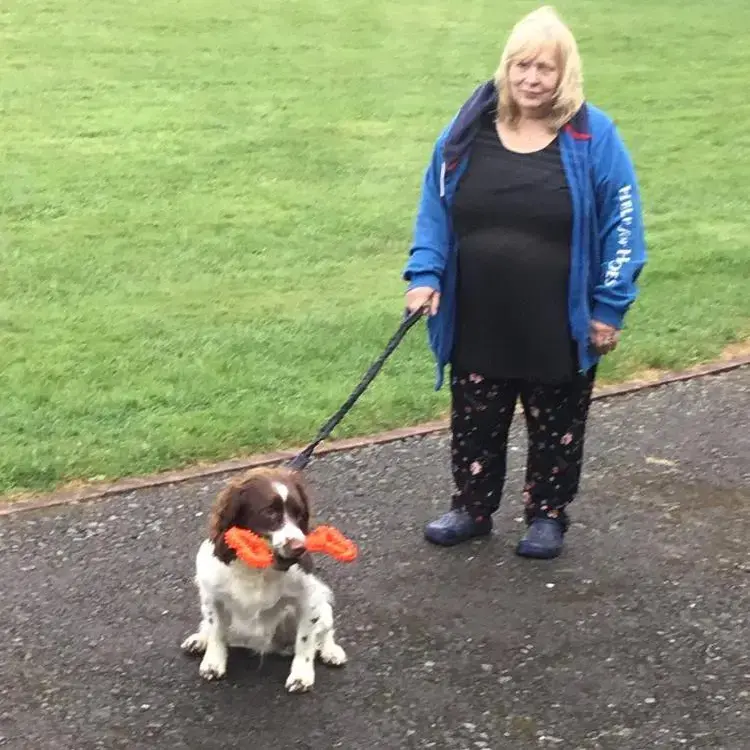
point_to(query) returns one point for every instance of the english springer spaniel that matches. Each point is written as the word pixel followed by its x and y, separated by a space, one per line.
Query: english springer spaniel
pixel 283 609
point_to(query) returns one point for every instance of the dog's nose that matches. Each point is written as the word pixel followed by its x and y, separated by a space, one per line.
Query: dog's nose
pixel 295 546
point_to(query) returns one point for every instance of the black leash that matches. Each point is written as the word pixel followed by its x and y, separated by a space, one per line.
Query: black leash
pixel 300 461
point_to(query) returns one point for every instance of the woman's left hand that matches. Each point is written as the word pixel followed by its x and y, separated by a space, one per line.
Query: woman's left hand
pixel 604 337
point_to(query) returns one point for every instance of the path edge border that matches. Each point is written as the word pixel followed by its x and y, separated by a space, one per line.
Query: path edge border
pixel 100 491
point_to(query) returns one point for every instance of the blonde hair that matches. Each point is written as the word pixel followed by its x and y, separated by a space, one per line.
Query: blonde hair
pixel 541 28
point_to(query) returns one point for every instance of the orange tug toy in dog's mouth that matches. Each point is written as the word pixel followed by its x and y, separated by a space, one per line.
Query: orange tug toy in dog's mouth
pixel 255 552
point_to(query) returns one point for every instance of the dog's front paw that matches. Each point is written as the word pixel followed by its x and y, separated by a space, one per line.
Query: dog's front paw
pixel 333 655
pixel 195 644
pixel 213 666
pixel 301 678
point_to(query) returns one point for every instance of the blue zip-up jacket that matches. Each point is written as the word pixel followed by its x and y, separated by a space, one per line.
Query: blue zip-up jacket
pixel 608 248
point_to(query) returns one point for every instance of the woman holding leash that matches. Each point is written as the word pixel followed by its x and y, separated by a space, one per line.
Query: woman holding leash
pixel 527 246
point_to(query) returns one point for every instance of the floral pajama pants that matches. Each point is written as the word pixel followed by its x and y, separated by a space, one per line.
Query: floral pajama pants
pixel 482 412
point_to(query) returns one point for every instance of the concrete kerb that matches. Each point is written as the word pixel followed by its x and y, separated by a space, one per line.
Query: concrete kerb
pixel 100 491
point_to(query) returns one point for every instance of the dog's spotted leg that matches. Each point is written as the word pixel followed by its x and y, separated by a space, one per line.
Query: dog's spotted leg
pixel 330 652
pixel 196 643
pixel 302 674
pixel 214 663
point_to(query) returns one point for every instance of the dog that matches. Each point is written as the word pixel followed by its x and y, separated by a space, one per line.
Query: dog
pixel 285 609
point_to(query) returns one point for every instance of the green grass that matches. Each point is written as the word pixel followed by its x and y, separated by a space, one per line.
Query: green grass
pixel 206 207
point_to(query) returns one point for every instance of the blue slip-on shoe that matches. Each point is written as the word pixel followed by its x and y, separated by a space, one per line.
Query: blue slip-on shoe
pixel 456 526
pixel 543 539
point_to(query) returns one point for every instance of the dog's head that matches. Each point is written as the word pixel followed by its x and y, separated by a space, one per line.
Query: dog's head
pixel 271 502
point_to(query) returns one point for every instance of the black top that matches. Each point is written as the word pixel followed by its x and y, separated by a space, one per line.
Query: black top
pixel 513 219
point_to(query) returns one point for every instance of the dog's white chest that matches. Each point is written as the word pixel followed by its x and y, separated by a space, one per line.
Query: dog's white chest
pixel 250 593
pixel 254 601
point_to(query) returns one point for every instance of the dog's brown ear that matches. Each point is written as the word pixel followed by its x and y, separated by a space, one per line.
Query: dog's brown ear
pixel 230 509
pixel 303 492
pixel 307 563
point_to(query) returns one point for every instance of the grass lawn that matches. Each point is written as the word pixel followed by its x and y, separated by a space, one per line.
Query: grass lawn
pixel 206 206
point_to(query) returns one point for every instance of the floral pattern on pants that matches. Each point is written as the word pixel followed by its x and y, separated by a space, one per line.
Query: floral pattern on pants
pixel 482 413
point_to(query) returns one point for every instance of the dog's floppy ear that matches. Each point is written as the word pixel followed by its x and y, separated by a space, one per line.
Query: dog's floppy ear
pixel 231 508
pixel 307 563
pixel 303 492
pixel 302 489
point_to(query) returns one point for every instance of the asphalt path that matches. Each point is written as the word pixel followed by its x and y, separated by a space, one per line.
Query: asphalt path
pixel 637 637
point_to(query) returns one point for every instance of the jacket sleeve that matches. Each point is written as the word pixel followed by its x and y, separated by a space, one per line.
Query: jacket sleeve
pixel 431 236
pixel 621 232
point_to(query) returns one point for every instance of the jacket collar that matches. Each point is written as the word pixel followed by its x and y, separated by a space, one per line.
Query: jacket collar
pixel 466 124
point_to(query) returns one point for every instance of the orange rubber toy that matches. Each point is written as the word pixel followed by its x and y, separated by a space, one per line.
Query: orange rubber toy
pixel 255 552
pixel 250 548
pixel 332 542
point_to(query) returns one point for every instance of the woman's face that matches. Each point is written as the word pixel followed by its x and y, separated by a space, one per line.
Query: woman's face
pixel 533 81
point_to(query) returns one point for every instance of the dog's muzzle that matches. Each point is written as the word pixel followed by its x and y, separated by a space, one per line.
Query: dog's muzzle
pixel 284 562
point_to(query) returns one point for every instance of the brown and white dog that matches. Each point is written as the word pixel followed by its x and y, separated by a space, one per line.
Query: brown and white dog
pixel 283 609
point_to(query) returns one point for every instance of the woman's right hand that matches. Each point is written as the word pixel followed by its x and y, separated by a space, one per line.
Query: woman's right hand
pixel 423 297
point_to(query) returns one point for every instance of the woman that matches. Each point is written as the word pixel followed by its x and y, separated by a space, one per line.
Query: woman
pixel 527 246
